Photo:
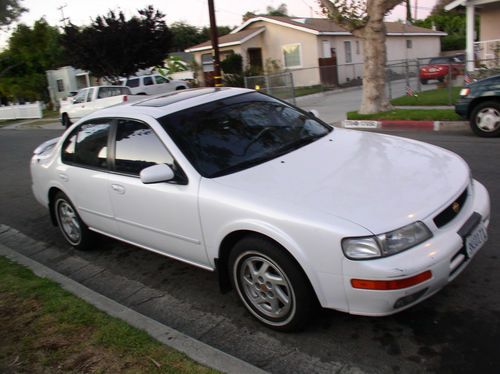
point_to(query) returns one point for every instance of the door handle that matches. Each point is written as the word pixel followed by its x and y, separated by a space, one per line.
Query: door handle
pixel 63 177
pixel 118 189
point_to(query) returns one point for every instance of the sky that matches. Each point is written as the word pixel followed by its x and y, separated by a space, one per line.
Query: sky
pixel 194 12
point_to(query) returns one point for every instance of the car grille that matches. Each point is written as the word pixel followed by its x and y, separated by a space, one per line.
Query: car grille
pixel 451 211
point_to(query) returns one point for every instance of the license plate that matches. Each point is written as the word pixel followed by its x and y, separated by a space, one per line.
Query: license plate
pixel 476 239
pixel 433 70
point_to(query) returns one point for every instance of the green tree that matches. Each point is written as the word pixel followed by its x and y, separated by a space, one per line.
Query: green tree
pixel 221 31
pixel 30 52
pixel 280 10
pixel 112 46
pixel 10 10
pixel 452 22
pixel 184 36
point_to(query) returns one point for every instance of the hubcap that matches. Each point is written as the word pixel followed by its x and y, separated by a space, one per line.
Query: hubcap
pixel 266 287
pixel 488 119
pixel 69 222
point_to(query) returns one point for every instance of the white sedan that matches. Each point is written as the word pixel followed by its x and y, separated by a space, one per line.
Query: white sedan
pixel 291 212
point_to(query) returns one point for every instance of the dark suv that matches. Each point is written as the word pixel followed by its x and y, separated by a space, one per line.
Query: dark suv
pixel 480 103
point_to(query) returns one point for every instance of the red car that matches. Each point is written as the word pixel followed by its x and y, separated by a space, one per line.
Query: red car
pixel 438 68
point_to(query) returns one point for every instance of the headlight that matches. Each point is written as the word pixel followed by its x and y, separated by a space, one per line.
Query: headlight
pixel 386 244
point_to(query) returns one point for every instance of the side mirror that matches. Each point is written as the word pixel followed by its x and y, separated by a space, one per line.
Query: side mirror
pixel 157 174
pixel 314 113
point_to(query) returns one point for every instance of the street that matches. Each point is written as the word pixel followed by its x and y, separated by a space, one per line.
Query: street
pixel 455 331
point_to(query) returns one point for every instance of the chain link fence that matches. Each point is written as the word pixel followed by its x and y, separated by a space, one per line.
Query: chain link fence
pixel 407 77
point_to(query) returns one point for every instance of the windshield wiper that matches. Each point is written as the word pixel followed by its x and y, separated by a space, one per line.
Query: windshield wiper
pixel 243 165
pixel 259 160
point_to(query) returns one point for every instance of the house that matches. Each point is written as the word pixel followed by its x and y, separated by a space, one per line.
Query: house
pixel 63 81
pixel 488 46
pixel 302 45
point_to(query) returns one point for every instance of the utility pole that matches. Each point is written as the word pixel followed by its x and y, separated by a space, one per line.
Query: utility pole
pixel 61 9
pixel 215 44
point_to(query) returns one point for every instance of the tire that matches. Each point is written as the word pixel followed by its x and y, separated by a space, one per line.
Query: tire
pixel 66 122
pixel 423 81
pixel 270 284
pixel 180 88
pixel 441 80
pixel 485 119
pixel 74 230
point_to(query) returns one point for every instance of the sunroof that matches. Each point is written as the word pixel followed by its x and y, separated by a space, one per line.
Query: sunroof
pixel 176 96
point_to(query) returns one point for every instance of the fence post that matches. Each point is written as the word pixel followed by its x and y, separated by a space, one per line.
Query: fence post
pixel 419 84
pixel 293 88
pixel 450 84
pixel 245 79
pixel 268 87
pixel 389 83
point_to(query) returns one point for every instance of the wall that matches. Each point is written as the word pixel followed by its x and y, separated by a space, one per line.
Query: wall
pixel 490 18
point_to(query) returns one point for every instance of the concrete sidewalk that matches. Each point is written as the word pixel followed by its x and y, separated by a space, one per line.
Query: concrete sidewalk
pixel 195 349
pixel 35 124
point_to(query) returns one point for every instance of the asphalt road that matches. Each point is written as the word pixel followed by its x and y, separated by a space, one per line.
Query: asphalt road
pixel 455 331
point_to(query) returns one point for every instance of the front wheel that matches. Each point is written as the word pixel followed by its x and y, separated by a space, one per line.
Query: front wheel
pixel 485 119
pixel 71 225
pixel 270 284
pixel 423 81
pixel 66 122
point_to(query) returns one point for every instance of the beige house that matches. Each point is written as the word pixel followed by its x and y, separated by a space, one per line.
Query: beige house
pixel 302 45
pixel 488 46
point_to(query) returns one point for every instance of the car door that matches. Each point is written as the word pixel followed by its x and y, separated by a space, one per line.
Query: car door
pixel 84 175
pixel 88 107
pixel 162 216
pixel 78 105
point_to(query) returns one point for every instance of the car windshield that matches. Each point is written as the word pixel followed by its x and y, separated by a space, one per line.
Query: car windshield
pixel 234 134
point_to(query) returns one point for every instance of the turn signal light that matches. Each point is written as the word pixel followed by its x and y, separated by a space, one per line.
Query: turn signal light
pixel 386 285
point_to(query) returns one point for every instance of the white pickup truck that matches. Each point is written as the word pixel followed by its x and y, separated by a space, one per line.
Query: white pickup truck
pixel 90 99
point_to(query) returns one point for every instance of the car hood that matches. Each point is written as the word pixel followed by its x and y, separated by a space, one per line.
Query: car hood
pixel 377 181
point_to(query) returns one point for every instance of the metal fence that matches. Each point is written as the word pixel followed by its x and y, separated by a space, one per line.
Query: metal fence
pixel 279 85
pixel 402 77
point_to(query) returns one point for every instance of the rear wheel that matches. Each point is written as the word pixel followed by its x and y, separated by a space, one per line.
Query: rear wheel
pixel 66 122
pixel 71 225
pixel 485 119
pixel 423 81
pixel 270 284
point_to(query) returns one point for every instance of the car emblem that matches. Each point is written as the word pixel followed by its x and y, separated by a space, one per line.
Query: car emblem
pixel 455 207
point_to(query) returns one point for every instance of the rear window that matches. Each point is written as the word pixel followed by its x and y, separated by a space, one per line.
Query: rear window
pixel 440 60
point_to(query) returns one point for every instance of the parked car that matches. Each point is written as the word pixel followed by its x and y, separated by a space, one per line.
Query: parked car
pixel 153 84
pixel 479 103
pixel 438 68
pixel 90 99
pixel 290 211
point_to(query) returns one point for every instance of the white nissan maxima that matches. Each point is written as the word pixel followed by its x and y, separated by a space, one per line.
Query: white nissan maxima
pixel 290 211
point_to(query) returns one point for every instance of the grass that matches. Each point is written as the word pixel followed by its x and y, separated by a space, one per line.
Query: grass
pixel 409 114
pixel 44 329
pixel 433 97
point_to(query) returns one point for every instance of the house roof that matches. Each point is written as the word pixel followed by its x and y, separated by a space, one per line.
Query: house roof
pixel 316 26
pixel 457 3
pixel 228 40
pixel 325 26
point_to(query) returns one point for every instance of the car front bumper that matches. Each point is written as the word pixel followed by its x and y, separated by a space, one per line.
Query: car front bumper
pixel 462 107
pixel 444 255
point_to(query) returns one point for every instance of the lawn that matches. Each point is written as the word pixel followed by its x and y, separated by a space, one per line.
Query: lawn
pixel 409 114
pixel 439 96
pixel 44 329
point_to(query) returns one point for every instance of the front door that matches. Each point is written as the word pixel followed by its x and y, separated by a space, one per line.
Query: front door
pixel 163 216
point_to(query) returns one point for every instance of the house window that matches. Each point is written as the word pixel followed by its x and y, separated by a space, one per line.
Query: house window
pixel 357 47
pixel 60 85
pixel 409 43
pixel 291 55
pixel 207 62
pixel 348 52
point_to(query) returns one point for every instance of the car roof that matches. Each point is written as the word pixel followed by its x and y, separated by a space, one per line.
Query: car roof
pixel 161 105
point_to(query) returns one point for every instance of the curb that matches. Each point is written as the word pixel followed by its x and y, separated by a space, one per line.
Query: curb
pixel 405 125
pixel 195 349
